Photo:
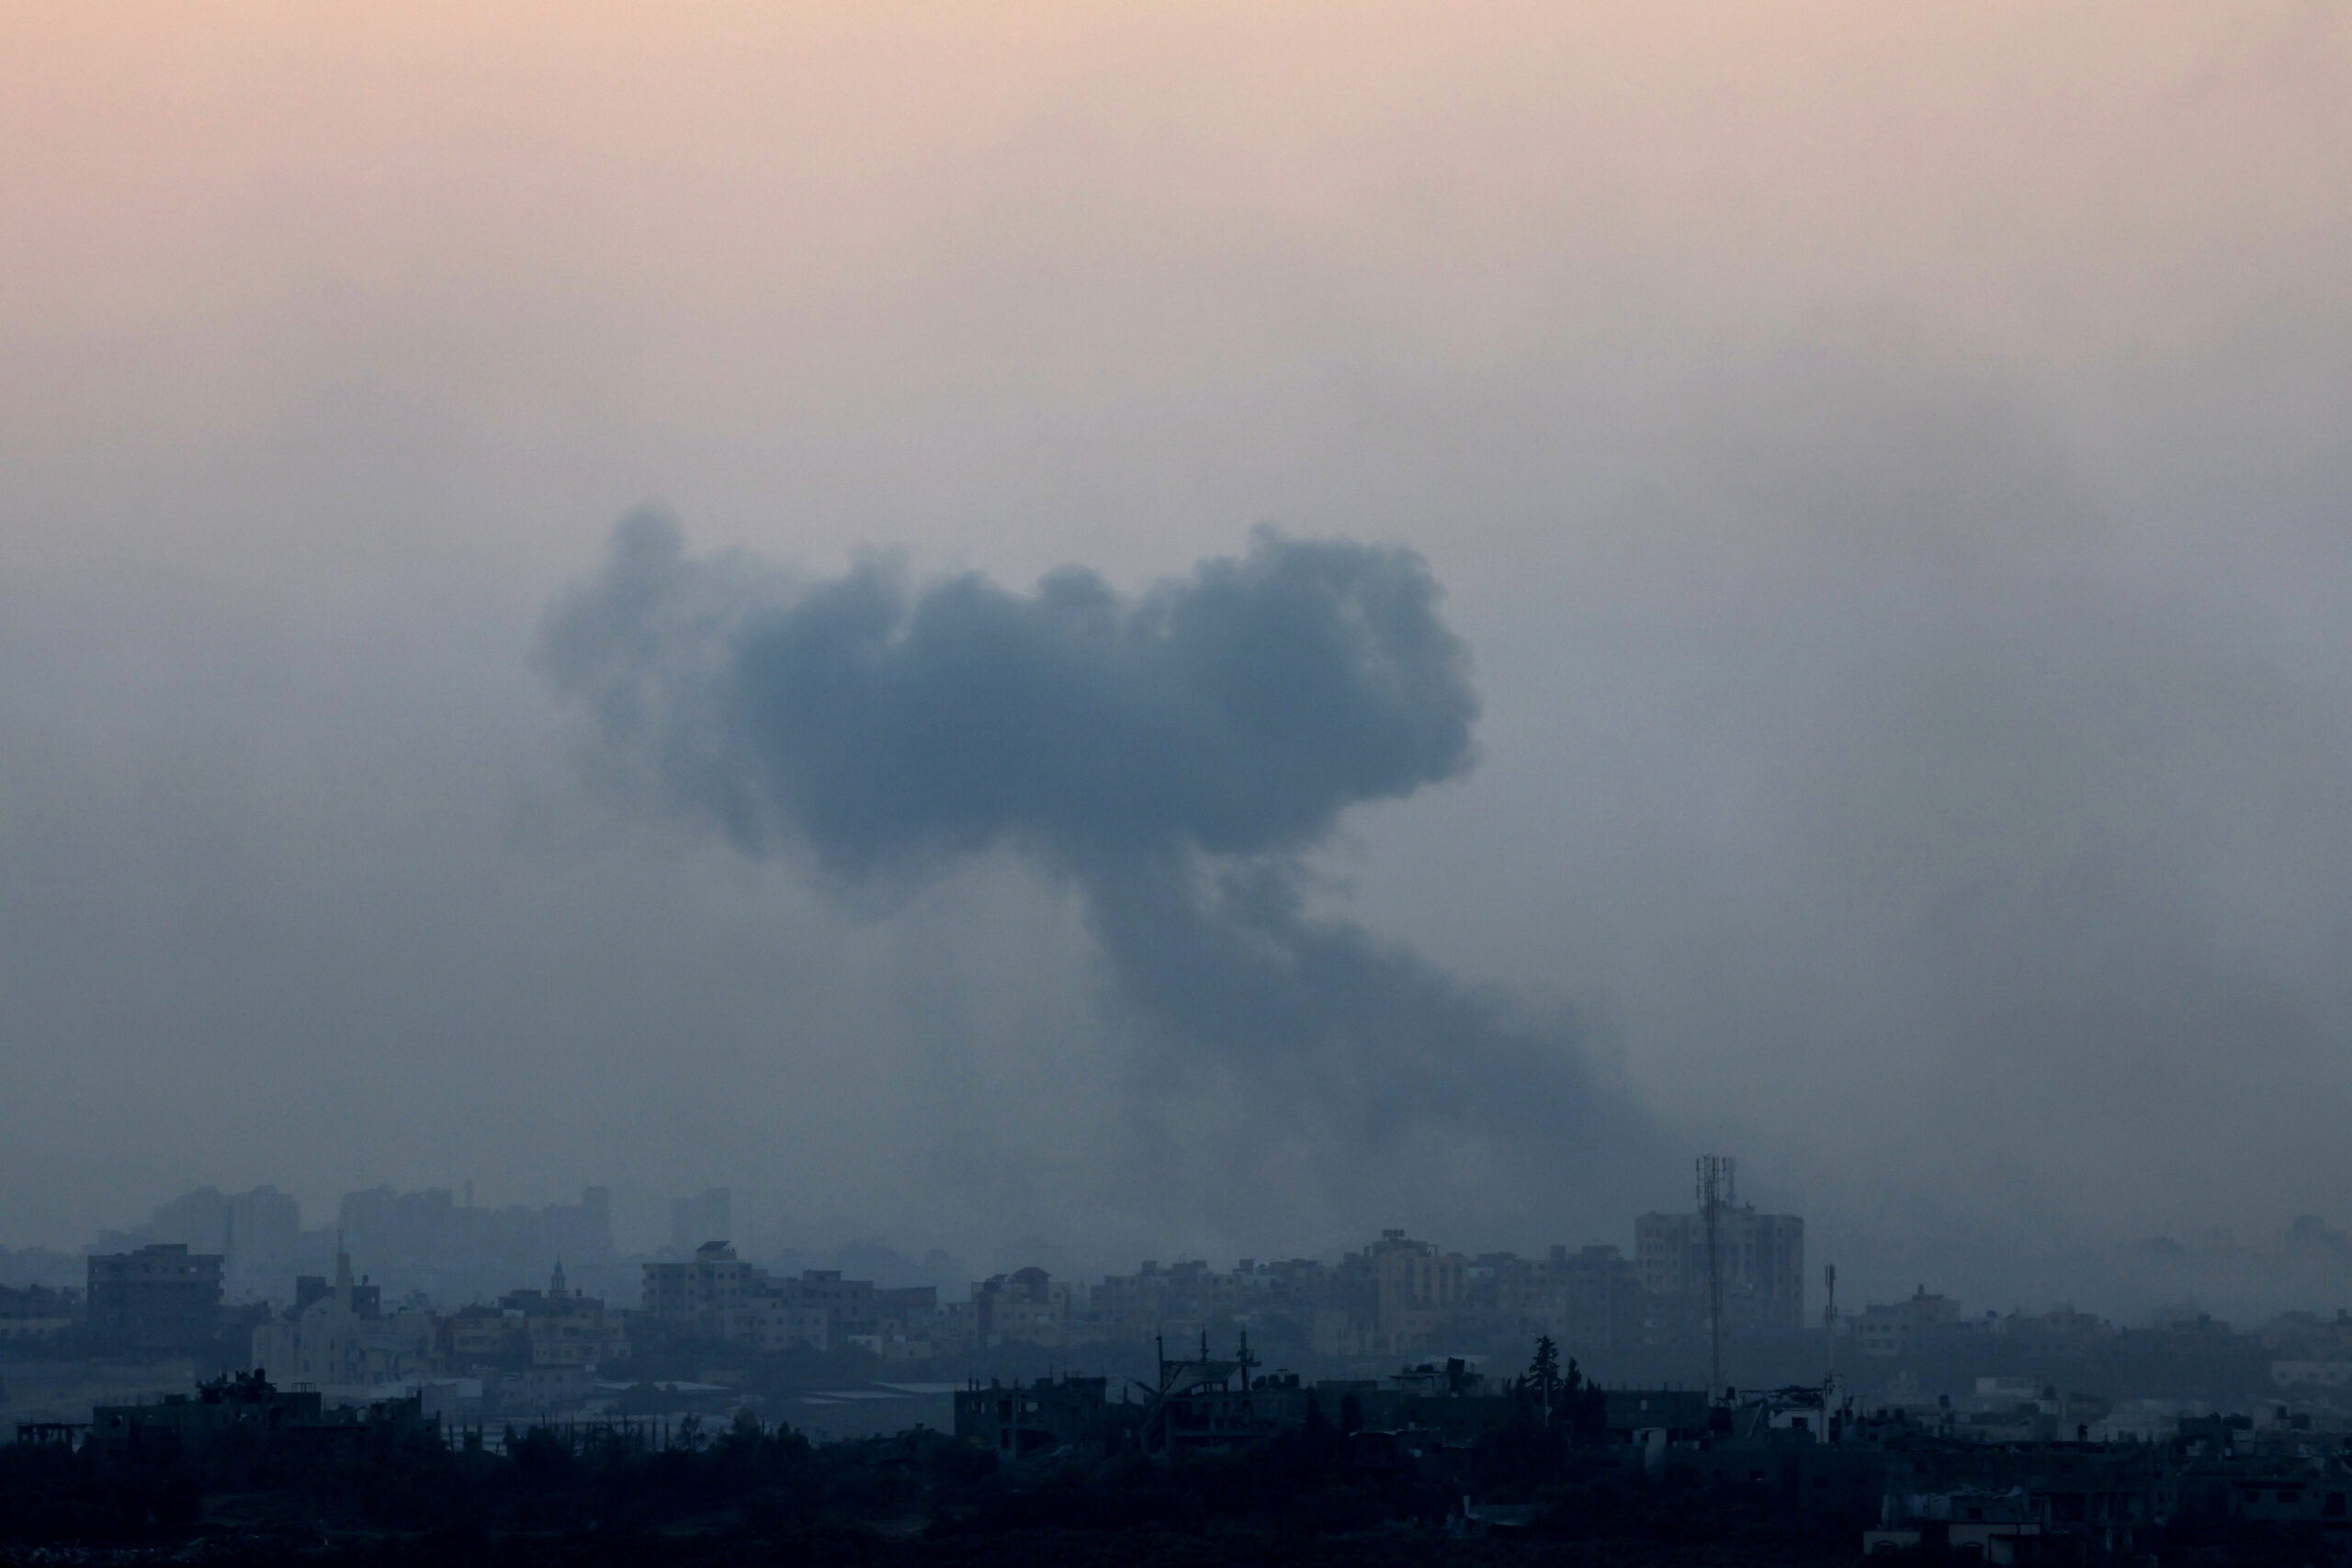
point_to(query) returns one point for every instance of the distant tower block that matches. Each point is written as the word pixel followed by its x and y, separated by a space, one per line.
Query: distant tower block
pixel 706 1216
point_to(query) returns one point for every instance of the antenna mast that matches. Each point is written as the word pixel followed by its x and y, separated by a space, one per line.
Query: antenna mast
pixel 1715 1186
pixel 1829 1313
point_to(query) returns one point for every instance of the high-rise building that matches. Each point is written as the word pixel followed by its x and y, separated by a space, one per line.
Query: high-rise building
pixel 708 1216
pixel 1418 1286
pixel 1761 1257
pixel 427 1238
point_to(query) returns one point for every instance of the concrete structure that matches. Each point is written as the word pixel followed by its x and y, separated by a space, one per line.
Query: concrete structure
pixel 1908 1327
pixel 708 1216
pixel 700 1293
pixel 846 1303
pixel 247 1407
pixel 1761 1257
pixel 1024 1420
pixel 1587 1300
pixel 483 1335
pixel 1420 1288
pixel 1204 1405
pixel 247 1403
pixel 37 1312
pixel 564 1328
pixel 1026 1306
pixel 2311 1374
pixel 432 1240
pixel 719 1294
pixel 257 1232
pixel 339 1342
pixel 775 1323
pixel 161 1297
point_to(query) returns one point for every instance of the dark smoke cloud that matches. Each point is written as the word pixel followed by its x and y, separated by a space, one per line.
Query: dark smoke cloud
pixel 1174 754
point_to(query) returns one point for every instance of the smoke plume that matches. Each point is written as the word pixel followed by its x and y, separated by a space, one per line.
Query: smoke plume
pixel 1175 755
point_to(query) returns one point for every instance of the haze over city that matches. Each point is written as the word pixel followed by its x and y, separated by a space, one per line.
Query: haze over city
pixel 1078 634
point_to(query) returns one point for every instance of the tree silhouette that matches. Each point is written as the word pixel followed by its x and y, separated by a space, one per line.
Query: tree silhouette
pixel 1544 1371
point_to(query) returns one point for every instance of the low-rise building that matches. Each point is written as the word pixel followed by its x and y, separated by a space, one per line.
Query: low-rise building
pixel 248 1407
pixel 564 1328
pixel 1907 1328
pixel 246 1402
pixel 1024 1420
pixel 1027 1306
pixel 2312 1374
pixel 775 1323
pixel 954 1325
pixel 698 1293
pixel 37 1312
pixel 341 1341
pixel 2062 1329
pixel 719 1294
pixel 484 1335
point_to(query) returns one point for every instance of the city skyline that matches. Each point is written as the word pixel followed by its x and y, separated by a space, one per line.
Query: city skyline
pixel 441 1242
pixel 925 783
pixel 1800 612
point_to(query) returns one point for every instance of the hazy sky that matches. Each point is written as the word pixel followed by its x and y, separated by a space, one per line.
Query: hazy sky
pixel 1886 466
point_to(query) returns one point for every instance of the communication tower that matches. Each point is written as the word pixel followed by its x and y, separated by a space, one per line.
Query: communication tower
pixel 1829 1313
pixel 1716 1182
